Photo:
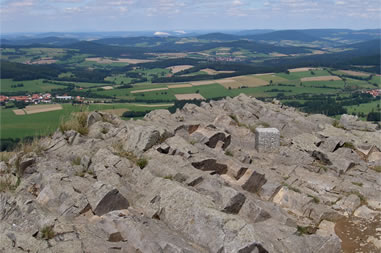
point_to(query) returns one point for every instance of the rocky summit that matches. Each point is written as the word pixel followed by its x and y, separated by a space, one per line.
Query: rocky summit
pixel 235 175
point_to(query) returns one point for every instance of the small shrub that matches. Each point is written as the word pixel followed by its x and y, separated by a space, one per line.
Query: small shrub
pixel 142 163
pixel 169 177
pixel 336 124
pixel 47 232
pixel 228 153
pixel 300 230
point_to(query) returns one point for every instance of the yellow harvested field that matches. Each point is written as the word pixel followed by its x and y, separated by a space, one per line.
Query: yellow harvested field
pixel 107 87
pixel 179 86
pixel 120 60
pixel 19 112
pixel 264 74
pixel 153 105
pixel 215 72
pixel 199 83
pixel 189 96
pixel 231 84
pixel 250 81
pixel 302 69
pixel 31 109
pixel 178 68
pixel 119 112
pixel 354 73
pixel 320 78
pixel 147 90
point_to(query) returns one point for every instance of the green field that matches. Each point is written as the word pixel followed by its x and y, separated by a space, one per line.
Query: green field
pixel 298 75
pixel 118 79
pixel 365 108
pixel 29 86
pixel 19 126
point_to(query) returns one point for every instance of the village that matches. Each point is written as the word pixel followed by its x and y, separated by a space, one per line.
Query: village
pixel 42 98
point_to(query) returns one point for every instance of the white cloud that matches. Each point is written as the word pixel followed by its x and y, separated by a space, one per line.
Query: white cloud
pixel 161 34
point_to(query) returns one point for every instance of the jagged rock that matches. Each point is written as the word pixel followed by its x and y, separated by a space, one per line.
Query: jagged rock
pixel 306 142
pixel 326 228
pixel 253 181
pixel 104 198
pixel 205 187
pixel 210 164
pixel 331 144
pixel 141 138
pixel 292 200
pixel 211 137
pixel 25 162
pixel 375 158
pixel 179 146
pixel 92 118
pixel 85 162
pixel 235 169
pixel 63 200
pixel 348 204
pixel 351 122
pixel 267 139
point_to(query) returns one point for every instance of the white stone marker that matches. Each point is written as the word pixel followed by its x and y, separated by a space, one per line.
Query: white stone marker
pixel 267 139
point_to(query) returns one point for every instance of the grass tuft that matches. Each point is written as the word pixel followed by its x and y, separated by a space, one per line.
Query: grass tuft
pixel 142 163
pixel 76 161
pixel 169 177
pixel 300 230
pixel 349 145
pixel 47 233
pixel 228 153
pixel 7 186
pixel 6 156
pixel 77 123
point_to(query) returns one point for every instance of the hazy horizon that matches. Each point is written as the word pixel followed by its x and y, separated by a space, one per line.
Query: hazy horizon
pixel 40 16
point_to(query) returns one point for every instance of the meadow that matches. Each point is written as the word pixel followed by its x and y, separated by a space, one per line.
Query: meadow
pixel 27 86
pixel 44 123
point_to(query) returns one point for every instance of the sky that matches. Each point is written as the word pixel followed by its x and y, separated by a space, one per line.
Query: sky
pixel 183 15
